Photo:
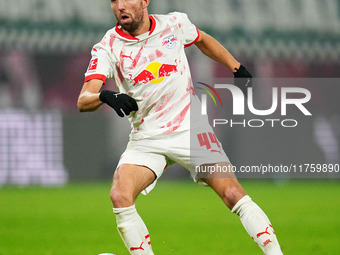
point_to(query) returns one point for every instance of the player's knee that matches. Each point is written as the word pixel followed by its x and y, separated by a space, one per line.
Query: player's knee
pixel 120 199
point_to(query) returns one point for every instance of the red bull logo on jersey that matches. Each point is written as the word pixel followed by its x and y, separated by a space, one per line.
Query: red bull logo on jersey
pixel 155 72
pixel 170 42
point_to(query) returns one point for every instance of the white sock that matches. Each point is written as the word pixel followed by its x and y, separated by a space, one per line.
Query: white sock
pixel 258 226
pixel 133 231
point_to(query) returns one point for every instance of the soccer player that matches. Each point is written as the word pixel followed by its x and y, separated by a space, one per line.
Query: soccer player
pixel 145 56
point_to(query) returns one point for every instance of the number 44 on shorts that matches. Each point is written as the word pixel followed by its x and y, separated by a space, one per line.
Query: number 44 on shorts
pixel 207 139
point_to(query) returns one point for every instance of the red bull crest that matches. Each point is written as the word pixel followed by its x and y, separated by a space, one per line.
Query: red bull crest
pixel 170 42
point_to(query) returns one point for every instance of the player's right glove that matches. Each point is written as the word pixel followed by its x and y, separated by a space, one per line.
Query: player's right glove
pixel 243 79
pixel 119 102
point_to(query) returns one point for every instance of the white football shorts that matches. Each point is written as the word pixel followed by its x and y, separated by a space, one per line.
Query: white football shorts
pixel 190 148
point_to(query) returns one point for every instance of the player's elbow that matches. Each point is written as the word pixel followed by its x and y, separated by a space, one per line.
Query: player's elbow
pixel 81 105
pixel 81 109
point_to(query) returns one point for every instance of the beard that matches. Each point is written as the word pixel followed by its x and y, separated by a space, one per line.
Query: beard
pixel 134 24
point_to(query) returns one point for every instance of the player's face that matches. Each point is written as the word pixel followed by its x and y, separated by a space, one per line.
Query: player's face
pixel 129 13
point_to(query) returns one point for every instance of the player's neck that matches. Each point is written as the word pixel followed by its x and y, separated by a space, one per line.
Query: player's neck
pixel 143 28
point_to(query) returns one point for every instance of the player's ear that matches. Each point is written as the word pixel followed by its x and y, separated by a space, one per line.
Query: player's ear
pixel 146 3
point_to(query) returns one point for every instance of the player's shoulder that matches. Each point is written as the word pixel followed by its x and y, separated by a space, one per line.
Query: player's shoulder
pixel 177 19
pixel 171 16
pixel 106 41
pixel 109 34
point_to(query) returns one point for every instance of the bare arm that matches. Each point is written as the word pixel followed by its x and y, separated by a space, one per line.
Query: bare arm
pixel 88 100
pixel 214 50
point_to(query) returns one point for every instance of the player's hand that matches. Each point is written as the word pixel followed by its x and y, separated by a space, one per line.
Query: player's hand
pixel 119 102
pixel 243 79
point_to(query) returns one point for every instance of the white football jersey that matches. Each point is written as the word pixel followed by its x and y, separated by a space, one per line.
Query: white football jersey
pixel 153 69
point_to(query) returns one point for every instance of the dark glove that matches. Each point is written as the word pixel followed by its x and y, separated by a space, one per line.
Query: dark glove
pixel 243 79
pixel 119 102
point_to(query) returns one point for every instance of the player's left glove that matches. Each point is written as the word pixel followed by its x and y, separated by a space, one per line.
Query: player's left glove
pixel 243 79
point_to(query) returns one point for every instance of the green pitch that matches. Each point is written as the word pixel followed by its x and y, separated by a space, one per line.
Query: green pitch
pixel 182 217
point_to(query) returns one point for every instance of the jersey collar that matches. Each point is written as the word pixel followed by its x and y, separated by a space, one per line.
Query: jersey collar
pixel 130 37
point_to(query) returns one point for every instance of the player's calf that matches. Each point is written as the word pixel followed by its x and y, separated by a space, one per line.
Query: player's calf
pixel 133 231
pixel 258 226
pixel 225 185
pixel 251 215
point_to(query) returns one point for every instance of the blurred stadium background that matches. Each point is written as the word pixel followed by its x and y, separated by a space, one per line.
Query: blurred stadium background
pixel 45 50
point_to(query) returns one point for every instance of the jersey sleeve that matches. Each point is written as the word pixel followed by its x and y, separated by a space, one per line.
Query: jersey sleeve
pixel 101 63
pixel 190 32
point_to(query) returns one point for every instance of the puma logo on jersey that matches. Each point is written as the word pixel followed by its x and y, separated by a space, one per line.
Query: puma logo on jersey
pixel 127 56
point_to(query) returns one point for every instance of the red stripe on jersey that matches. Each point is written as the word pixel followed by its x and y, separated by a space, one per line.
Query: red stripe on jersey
pixel 189 44
pixel 166 31
pixel 112 39
pixel 176 123
pixel 95 76
pixel 165 100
